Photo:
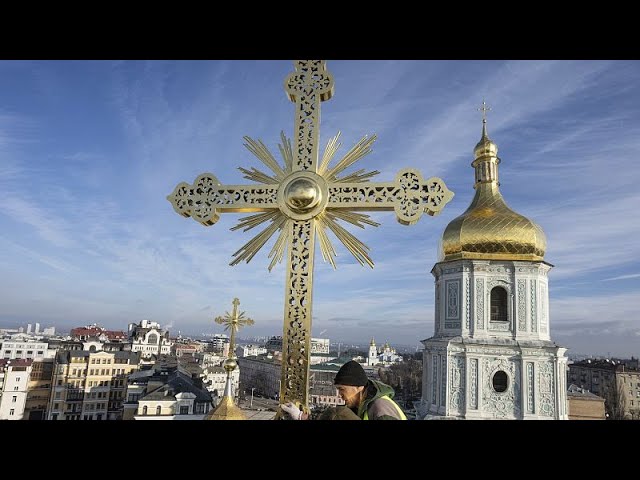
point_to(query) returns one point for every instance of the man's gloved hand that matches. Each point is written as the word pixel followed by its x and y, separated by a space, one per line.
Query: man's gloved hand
pixel 294 412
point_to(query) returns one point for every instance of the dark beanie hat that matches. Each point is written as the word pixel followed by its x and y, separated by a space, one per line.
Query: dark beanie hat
pixel 351 373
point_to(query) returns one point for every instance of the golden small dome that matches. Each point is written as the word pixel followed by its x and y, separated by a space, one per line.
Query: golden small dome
pixel 489 229
pixel 226 410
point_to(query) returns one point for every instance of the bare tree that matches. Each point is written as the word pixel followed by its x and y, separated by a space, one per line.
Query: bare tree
pixel 616 401
pixel 405 378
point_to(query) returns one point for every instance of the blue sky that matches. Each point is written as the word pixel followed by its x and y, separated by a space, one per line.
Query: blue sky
pixel 90 149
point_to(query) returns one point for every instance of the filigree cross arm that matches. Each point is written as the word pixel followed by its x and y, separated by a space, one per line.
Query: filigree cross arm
pixel 310 84
pixel 207 198
pixel 409 196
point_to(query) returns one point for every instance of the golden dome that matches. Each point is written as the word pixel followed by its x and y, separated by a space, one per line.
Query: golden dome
pixel 226 410
pixel 489 229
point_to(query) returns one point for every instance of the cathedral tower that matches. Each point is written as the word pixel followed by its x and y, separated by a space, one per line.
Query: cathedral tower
pixel 491 355
pixel 372 359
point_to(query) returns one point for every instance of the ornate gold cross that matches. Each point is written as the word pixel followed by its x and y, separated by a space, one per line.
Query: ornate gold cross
pixel 233 322
pixel 304 197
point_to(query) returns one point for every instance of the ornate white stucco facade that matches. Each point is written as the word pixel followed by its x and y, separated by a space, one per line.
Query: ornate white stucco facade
pixel 470 347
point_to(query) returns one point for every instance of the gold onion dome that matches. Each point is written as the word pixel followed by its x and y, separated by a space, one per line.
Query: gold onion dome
pixel 226 410
pixel 489 229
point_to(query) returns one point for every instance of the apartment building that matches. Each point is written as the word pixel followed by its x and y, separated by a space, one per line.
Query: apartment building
pixel 14 379
pixel 26 348
pixel 90 385
pixel 617 381
pixel 39 389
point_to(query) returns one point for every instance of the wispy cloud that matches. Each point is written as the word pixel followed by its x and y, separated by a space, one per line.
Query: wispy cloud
pixel 49 226
pixel 10 249
pixel 622 277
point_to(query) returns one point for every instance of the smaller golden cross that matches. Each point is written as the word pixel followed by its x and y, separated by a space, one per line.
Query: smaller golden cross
pixel 484 109
pixel 233 322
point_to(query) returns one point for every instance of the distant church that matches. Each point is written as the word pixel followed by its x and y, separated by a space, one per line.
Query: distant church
pixel 385 356
pixel 491 355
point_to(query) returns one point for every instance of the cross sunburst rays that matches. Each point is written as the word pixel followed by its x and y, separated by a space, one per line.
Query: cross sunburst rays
pixel 230 322
pixel 327 220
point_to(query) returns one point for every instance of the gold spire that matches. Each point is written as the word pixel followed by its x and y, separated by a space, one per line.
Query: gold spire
pixel 489 229
pixel 227 409
pixel 485 147
pixel 373 342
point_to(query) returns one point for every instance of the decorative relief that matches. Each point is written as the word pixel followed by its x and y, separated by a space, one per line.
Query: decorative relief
pixel 453 294
pixel 467 297
pixel 443 382
pixel 500 270
pixel 536 353
pixel 434 380
pixel 530 388
pixel 499 282
pixel 543 308
pixel 457 383
pixel 453 270
pixel 499 326
pixel 507 403
pixel 545 389
pixel 522 306
pixel 493 351
pixel 473 387
pixel 479 302
pixel 534 319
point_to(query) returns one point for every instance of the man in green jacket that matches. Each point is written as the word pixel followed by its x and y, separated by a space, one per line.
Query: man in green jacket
pixel 367 399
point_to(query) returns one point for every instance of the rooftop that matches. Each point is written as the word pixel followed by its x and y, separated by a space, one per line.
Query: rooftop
pixel 576 392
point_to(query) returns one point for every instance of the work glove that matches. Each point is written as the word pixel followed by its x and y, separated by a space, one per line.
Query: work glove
pixel 294 412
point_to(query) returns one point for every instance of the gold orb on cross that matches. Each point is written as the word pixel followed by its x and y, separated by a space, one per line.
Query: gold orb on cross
pixel 302 194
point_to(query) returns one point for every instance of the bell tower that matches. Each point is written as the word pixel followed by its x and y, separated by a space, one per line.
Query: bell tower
pixel 491 355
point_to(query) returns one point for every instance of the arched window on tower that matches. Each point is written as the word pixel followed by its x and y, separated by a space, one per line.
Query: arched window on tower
pixel 498 304
pixel 144 410
pixel 158 410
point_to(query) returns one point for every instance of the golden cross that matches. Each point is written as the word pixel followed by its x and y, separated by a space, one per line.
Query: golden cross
pixel 484 109
pixel 233 322
pixel 303 198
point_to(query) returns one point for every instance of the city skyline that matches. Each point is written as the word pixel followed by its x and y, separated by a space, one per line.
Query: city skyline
pixel 90 149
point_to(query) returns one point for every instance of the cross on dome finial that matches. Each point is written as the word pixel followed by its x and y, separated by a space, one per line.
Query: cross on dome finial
pixel 484 109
